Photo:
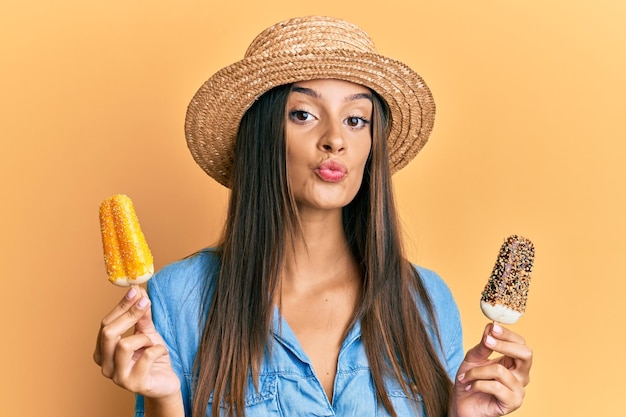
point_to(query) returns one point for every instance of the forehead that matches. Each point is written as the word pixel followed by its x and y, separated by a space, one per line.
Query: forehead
pixel 331 87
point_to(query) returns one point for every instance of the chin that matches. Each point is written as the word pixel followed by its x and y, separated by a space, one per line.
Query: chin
pixel 332 203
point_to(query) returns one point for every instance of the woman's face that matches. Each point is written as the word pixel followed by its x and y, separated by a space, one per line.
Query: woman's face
pixel 328 141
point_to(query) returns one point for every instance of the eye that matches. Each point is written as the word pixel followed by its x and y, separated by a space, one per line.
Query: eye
pixel 356 121
pixel 300 116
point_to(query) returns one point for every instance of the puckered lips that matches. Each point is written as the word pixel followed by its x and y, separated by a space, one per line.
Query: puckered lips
pixel 331 170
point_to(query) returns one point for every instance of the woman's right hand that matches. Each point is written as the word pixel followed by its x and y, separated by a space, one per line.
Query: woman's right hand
pixel 138 362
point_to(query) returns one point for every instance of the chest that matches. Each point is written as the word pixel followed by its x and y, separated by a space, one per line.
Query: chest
pixel 319 326
pixel 288 387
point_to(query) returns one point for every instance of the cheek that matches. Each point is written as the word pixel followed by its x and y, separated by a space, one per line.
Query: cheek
pixel 296 149
pixel 296 164
pixel 361 162
pixel 293 159
pixel 364 153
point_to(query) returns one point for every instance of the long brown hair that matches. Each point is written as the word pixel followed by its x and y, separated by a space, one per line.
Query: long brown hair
pixel 262 218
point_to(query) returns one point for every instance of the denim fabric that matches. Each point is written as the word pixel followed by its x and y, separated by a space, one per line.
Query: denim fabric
pixel 288 386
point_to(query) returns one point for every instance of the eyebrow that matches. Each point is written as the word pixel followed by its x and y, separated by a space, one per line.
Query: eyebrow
pixel 312 93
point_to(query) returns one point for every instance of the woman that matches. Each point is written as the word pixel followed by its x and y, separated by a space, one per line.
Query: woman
pixel 308 305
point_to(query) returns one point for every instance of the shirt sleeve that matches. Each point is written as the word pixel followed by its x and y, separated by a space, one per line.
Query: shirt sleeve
pixel 448 319
pixel 139 410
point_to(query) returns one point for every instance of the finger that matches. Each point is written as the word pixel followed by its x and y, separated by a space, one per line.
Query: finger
pixel 503 333
pixel 145 323
pixel 127 351
pixel 497 381
pixel 517 356
pixel 507 400
pixel 495 372
pixel 123 306
pixel 145 363
pixel 112 332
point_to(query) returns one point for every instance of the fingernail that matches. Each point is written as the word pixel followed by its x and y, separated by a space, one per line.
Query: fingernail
pixel 468 388
pixel 490 341
pixel 131 293
pixel 461 377
pixel 143 303
pixel 497 329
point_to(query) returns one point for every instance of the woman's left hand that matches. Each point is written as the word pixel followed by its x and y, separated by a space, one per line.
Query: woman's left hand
pixel 493 387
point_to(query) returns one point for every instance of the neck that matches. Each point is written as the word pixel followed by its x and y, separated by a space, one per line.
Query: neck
pixel 320 255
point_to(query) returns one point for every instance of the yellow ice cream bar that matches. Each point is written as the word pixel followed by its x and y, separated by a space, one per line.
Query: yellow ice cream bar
pixel 127 256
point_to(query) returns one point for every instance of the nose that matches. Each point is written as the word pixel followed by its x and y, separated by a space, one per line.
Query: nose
pixel 332 140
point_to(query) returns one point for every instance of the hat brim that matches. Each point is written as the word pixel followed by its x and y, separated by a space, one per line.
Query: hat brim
pixel 214 114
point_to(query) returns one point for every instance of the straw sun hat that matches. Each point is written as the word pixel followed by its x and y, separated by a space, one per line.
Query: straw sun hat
pixel 303 49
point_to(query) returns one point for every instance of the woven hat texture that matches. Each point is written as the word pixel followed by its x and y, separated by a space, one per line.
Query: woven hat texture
pixel 300 49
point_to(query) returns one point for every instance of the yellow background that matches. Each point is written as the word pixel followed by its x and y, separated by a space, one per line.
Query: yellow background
pixel 529 139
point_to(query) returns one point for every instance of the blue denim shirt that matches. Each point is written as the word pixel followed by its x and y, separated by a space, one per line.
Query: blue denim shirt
pixel 288 386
